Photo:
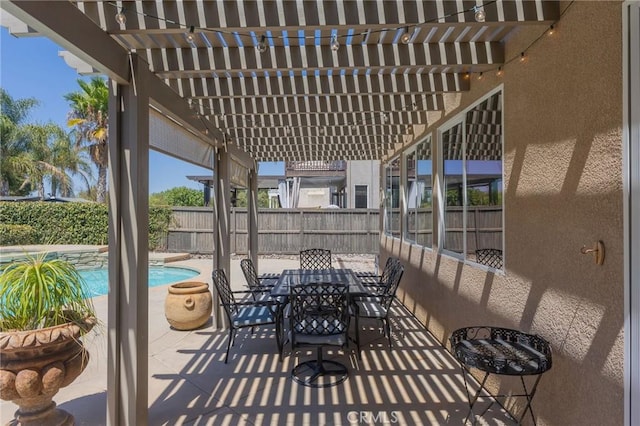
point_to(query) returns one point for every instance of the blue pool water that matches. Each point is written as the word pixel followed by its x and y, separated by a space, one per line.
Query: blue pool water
pixel 97 280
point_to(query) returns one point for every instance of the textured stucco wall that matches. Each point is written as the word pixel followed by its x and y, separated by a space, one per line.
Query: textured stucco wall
pixel 563 190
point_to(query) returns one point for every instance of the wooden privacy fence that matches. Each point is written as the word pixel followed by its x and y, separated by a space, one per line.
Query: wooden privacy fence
pixel 352 231
pixel 280 231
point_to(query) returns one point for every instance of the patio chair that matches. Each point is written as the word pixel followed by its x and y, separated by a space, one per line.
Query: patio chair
pixel 372 280
pixel 315 259
pixel 245 313
pixel 490 257
pixel 378 304
pixel 260 287
pixel 319 317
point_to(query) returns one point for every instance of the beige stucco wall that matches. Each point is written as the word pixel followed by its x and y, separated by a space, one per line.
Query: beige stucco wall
pixel 563 190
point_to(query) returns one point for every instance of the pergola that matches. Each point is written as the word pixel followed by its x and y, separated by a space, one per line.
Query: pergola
pixel 227 83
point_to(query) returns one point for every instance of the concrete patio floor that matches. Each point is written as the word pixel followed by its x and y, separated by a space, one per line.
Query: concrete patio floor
pixel 416 383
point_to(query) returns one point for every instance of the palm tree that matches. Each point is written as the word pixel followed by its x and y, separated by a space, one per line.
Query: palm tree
pixel 50 157
pixel 70 158
pixel 14 143
pixel 89 116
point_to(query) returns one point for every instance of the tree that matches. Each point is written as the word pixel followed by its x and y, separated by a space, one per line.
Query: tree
pixel 14 146
pixel 179 196
pixel 89 117
pixel 70 158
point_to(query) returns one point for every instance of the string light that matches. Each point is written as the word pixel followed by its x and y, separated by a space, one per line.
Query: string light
pixel 406 36
pixel 190 36
pixel 262 45
pixel 334 43
pixel 479 14
pixel 121 18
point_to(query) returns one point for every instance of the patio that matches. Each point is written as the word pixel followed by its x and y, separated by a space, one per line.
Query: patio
pixel 418 382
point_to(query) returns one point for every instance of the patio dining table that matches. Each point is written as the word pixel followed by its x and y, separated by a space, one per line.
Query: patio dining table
pixel 291 277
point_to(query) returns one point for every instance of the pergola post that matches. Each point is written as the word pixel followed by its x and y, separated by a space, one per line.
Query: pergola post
pixel 127 362
pixel 252 220
pixel 222 218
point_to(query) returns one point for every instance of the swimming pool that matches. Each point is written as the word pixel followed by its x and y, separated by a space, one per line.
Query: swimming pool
pixel 97 280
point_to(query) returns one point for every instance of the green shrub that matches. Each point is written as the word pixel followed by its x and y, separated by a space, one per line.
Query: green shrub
pixel 17 235
pixel 75 223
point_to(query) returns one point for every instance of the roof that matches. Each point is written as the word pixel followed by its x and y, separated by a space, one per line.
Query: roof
pixel 300 80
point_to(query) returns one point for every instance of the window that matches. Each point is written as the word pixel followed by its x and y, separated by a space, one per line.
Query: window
pixel 419 225
pixel 418 193
pixel 361 193
pixel 392 198
pixel 472 218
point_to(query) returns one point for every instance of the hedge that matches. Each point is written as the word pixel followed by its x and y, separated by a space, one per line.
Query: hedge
pixel 76 223
pixel 17 235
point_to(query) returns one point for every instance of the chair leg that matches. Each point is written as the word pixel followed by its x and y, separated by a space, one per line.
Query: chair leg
pixel 231 338
pixel 387 327
pixel 358 335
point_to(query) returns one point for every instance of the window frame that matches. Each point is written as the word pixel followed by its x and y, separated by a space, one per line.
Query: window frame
pixel 460 118
pixel 355 196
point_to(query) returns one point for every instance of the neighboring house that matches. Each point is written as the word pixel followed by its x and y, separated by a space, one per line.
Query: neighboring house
pixel 331 184
pixel 317 184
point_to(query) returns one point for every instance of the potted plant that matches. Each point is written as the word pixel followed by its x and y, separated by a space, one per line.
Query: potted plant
pixel 44 310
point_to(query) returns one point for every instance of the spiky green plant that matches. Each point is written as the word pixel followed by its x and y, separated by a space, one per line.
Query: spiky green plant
pixel 37 292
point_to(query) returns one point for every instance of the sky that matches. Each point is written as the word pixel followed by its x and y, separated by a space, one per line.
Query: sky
pixel 30 67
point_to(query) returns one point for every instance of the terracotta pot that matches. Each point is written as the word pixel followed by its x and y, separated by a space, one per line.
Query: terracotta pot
pixel 188 305
pixel 35 364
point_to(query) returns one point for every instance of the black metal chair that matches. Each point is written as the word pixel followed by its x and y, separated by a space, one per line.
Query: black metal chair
pixel 245 313
pixel 319 317
pixel 378 304
pixel 260 287
pixel 315 259
pixel 372 281
pixel 490 257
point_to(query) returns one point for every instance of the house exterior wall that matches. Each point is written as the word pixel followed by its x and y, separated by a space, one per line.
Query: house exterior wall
pixel 563 190
pixel 314 198
pixel 364 172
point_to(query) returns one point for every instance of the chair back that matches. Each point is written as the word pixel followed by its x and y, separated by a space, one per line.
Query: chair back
pixel 391 282
pixel 227 298
pixel 490 257
pixel 250 274
pixel 319 309
pixel 315 259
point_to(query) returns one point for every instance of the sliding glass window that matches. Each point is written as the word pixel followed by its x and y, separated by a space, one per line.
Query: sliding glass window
pixel 472 183
pixel 392 198
pixel 418 194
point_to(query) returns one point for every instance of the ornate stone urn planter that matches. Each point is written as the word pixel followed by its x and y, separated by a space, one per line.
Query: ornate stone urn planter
pixel 188 305
pixel 35 364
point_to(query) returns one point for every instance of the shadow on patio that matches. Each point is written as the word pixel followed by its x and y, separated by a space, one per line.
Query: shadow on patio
pixel 418 382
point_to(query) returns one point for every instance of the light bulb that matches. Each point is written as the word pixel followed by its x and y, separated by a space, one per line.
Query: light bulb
pixel 262 46
pixel 551 30
pixel 121 18
pixel 480 76
pixel 499 72
pixel 406 37
pixel 190 36
pixel 480 15
pixel 334 43
pixel 522 57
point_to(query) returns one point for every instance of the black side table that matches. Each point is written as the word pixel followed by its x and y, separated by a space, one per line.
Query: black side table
pixel 501 351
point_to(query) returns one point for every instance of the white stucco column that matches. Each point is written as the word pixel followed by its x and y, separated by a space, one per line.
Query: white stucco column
pixel 127 369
